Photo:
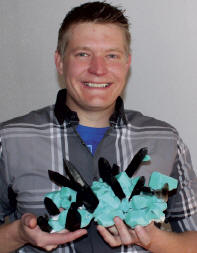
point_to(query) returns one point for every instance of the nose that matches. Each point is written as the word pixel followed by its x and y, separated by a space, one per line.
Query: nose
pixel 98 66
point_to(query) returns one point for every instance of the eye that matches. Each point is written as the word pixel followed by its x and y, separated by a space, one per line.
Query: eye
pixel 82 54
pixel 113 56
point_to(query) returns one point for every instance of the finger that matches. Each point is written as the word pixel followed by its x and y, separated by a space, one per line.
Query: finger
pixel 113 241
pixel 123 231
pixel 113 230
pixel 142 235
pixel 29 220
pixel 71 236
pixel 61 238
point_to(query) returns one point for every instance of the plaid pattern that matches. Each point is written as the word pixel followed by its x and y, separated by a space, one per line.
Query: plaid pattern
pixel 32 144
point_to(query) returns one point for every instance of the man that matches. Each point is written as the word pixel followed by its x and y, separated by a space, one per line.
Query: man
pixel 93 56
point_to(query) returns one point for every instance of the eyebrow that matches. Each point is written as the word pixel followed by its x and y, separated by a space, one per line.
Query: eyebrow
pixel 80 48
pixel 115 50
pixel 89 49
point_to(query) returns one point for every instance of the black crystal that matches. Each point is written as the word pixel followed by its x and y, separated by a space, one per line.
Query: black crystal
pixel 136 161
pixel 106 174
pixel 85 195
pixel 43 224
pixel 138 187
pixel 61 180
pixel 51 207
pixel 73 218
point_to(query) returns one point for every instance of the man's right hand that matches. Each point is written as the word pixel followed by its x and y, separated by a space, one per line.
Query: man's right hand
pixel 29 232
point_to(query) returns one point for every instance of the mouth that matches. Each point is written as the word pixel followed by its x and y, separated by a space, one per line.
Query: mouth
pixel 96 85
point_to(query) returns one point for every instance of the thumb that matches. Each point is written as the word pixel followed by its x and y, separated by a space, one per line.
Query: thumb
pixel 29 220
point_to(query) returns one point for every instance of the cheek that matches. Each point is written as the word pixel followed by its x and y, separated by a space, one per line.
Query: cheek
pixel 119 71
pixel 74 69
pixel 71 72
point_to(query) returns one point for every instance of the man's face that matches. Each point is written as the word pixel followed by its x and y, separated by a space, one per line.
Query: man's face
pixel 95 66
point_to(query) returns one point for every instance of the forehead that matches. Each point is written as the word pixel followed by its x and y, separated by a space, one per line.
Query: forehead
pixel 98 35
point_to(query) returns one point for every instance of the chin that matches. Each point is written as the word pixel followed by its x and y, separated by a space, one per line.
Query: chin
pixel 98 106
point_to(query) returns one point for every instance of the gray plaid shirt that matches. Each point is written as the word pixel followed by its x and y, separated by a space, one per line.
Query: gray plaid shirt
pixel 33 144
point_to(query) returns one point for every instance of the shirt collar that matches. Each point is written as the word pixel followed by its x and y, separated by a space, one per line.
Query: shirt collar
pixel 63 112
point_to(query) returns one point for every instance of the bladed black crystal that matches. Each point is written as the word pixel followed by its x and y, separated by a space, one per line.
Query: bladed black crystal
pixel 43 224
pixel 85 195
pixel 138 187
pixel 106 174
pixel 73 218
pixel 136 161
pixel 51 207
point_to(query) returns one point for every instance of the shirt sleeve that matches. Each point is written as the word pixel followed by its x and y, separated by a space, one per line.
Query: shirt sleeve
pixel 182 206
pixel 5 207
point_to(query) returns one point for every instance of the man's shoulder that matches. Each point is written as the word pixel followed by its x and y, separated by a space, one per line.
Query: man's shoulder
pixel 34 118
pixel 141 121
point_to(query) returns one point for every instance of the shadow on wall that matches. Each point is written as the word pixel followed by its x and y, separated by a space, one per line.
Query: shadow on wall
pixel 128 80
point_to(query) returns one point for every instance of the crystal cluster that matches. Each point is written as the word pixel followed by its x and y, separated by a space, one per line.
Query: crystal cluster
pixel 114 194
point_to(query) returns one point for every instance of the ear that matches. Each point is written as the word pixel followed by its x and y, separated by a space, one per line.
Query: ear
pixel 58 63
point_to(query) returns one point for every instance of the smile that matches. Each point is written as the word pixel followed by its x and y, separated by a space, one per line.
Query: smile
pixel 96 85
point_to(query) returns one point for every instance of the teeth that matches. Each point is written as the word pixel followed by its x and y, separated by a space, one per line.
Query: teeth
pixel 97 85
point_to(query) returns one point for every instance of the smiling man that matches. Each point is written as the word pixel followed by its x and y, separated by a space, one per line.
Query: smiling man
pixel 95 68
pixel 88 121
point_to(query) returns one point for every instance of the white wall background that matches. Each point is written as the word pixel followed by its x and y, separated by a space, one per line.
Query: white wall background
pixel 163 75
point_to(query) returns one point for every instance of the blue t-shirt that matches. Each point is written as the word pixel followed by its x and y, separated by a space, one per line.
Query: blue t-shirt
pixel 91 136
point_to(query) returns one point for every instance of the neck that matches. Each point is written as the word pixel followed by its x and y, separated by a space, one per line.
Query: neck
pixel 94 118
